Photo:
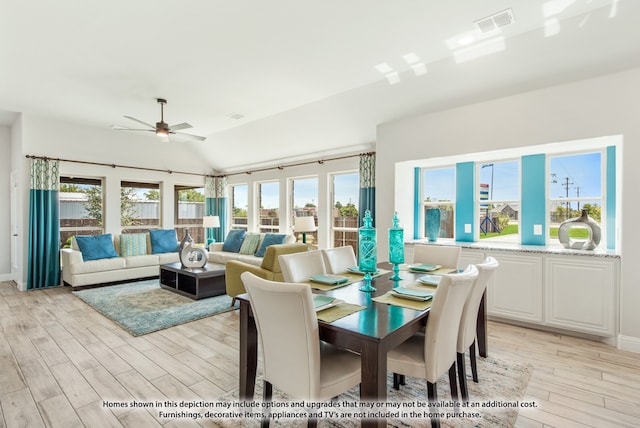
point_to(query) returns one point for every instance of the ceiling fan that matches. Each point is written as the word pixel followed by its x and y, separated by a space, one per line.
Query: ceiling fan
pixel 161 128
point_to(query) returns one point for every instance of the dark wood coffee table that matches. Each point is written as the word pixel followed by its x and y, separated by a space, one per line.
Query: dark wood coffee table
pixel 196 283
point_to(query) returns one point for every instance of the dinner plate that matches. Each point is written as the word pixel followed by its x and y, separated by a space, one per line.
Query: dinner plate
pixel 356 269
pixel 429 279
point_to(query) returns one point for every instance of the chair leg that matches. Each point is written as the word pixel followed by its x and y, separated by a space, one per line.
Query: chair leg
pixel 453 383
pixel 432 394
pixel 462 377
pixel 472 357
pixel 396 381
pixel 266 397
pixel 403 380
pixel 233 301
pixel 312 423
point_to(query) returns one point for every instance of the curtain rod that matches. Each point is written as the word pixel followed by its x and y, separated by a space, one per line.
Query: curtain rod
pixel 113 165
pixel 280 167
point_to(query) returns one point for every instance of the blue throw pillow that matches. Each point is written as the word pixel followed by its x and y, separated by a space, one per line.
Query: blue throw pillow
pixel 234 240
pixel 163 241
pixel 96 247
pixel 270 239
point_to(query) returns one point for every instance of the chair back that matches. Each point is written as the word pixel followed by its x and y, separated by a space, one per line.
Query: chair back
pixel 288 331
pixel 338 259
pixel 444 255
pixel 299 267
pixel 469 318
pixel 441 334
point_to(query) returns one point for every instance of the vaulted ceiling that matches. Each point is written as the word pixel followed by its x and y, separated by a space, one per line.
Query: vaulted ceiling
pixel 266 80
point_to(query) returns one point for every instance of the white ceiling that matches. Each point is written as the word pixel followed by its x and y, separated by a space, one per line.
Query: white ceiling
pixel 302 72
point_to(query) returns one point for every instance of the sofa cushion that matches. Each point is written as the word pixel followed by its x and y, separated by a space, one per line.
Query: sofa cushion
pixel 222 257
pixel 250 259
pixel 166 258
pixel 133 244
pixel 250 243
pixel 102 265
pixel 142 260
pixel 270 239
pixel 96 247
pixel 233 242
pixel 163 241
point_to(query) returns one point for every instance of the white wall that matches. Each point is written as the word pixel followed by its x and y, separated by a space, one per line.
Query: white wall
pixel 5 209
pixel 607 105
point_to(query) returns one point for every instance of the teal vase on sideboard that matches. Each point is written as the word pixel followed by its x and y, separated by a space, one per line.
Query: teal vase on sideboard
pixel 432 221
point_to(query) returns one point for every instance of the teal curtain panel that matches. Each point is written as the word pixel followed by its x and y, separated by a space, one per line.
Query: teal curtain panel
pixel 367 187
pixel 43 265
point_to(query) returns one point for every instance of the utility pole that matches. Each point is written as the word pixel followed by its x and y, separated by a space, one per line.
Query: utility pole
pixel 578 195
pixel 566 186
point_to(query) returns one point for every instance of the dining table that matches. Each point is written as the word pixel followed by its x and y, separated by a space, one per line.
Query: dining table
pixel 371 331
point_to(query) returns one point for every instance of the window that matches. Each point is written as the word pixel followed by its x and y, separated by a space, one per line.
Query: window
pixel 269 203
pixel 344 200
pixel 189 210
pixel 439 191
pixel 239 206
pixel 139 206
pixel 499 201
pixel 304 195
pixel 575 183
pixel 81 208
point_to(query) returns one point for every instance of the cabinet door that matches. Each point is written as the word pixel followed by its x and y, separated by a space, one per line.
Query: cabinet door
pixel 515 289
pixel 580 294
pixel 468 257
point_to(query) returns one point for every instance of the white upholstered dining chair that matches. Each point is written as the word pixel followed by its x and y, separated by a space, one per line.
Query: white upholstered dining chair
pixel 338 259
pixel 294 359
pixel 469 321
pixel 299 267
pixel 430 355
pixel 443 255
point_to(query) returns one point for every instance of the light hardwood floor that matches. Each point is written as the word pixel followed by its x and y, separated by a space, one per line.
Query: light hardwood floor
pixel 60 361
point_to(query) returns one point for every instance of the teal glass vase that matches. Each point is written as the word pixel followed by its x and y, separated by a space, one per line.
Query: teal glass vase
pixel 367 253
pixel 396 247
pixel 432 223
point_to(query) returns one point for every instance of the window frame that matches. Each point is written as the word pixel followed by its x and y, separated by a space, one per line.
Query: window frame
pixel 100 229
pixel 552 202
pixel 141 228
pixel 232 218
pixel 292 208
pixel 490 201
pixel 424 204
pixel 196 230
pixel 332 227
pixel 258 198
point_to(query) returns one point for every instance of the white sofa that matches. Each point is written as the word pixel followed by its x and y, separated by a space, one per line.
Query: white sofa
pixel 216 255
pixel 77 273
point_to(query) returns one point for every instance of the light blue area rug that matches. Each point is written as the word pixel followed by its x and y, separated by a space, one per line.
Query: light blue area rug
pixel 143 307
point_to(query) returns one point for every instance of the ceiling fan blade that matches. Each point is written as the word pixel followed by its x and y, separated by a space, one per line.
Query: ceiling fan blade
pixel 195 137
pixel 180 126
pixel 139 121
pixel 124 128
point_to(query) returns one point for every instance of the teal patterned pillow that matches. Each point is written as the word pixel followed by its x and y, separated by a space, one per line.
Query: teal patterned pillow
pixel 133 244
pixel 250 243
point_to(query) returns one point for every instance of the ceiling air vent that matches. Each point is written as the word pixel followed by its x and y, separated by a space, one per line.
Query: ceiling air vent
pixel 495 21
pixel 236 116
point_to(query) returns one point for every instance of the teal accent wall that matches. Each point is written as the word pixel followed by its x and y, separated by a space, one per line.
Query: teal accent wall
pixel 417 202
pixel 611 197
pixel 465 200
pixel 533 199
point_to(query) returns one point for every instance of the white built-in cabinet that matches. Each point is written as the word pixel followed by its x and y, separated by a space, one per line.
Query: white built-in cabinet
pixel 570 292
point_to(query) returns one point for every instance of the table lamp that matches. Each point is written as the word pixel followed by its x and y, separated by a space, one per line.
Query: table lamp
pixel 210 222
pixel 304 225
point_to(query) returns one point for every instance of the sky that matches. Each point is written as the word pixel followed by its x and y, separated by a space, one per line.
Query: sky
pixel 306 190
pixel 582 170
